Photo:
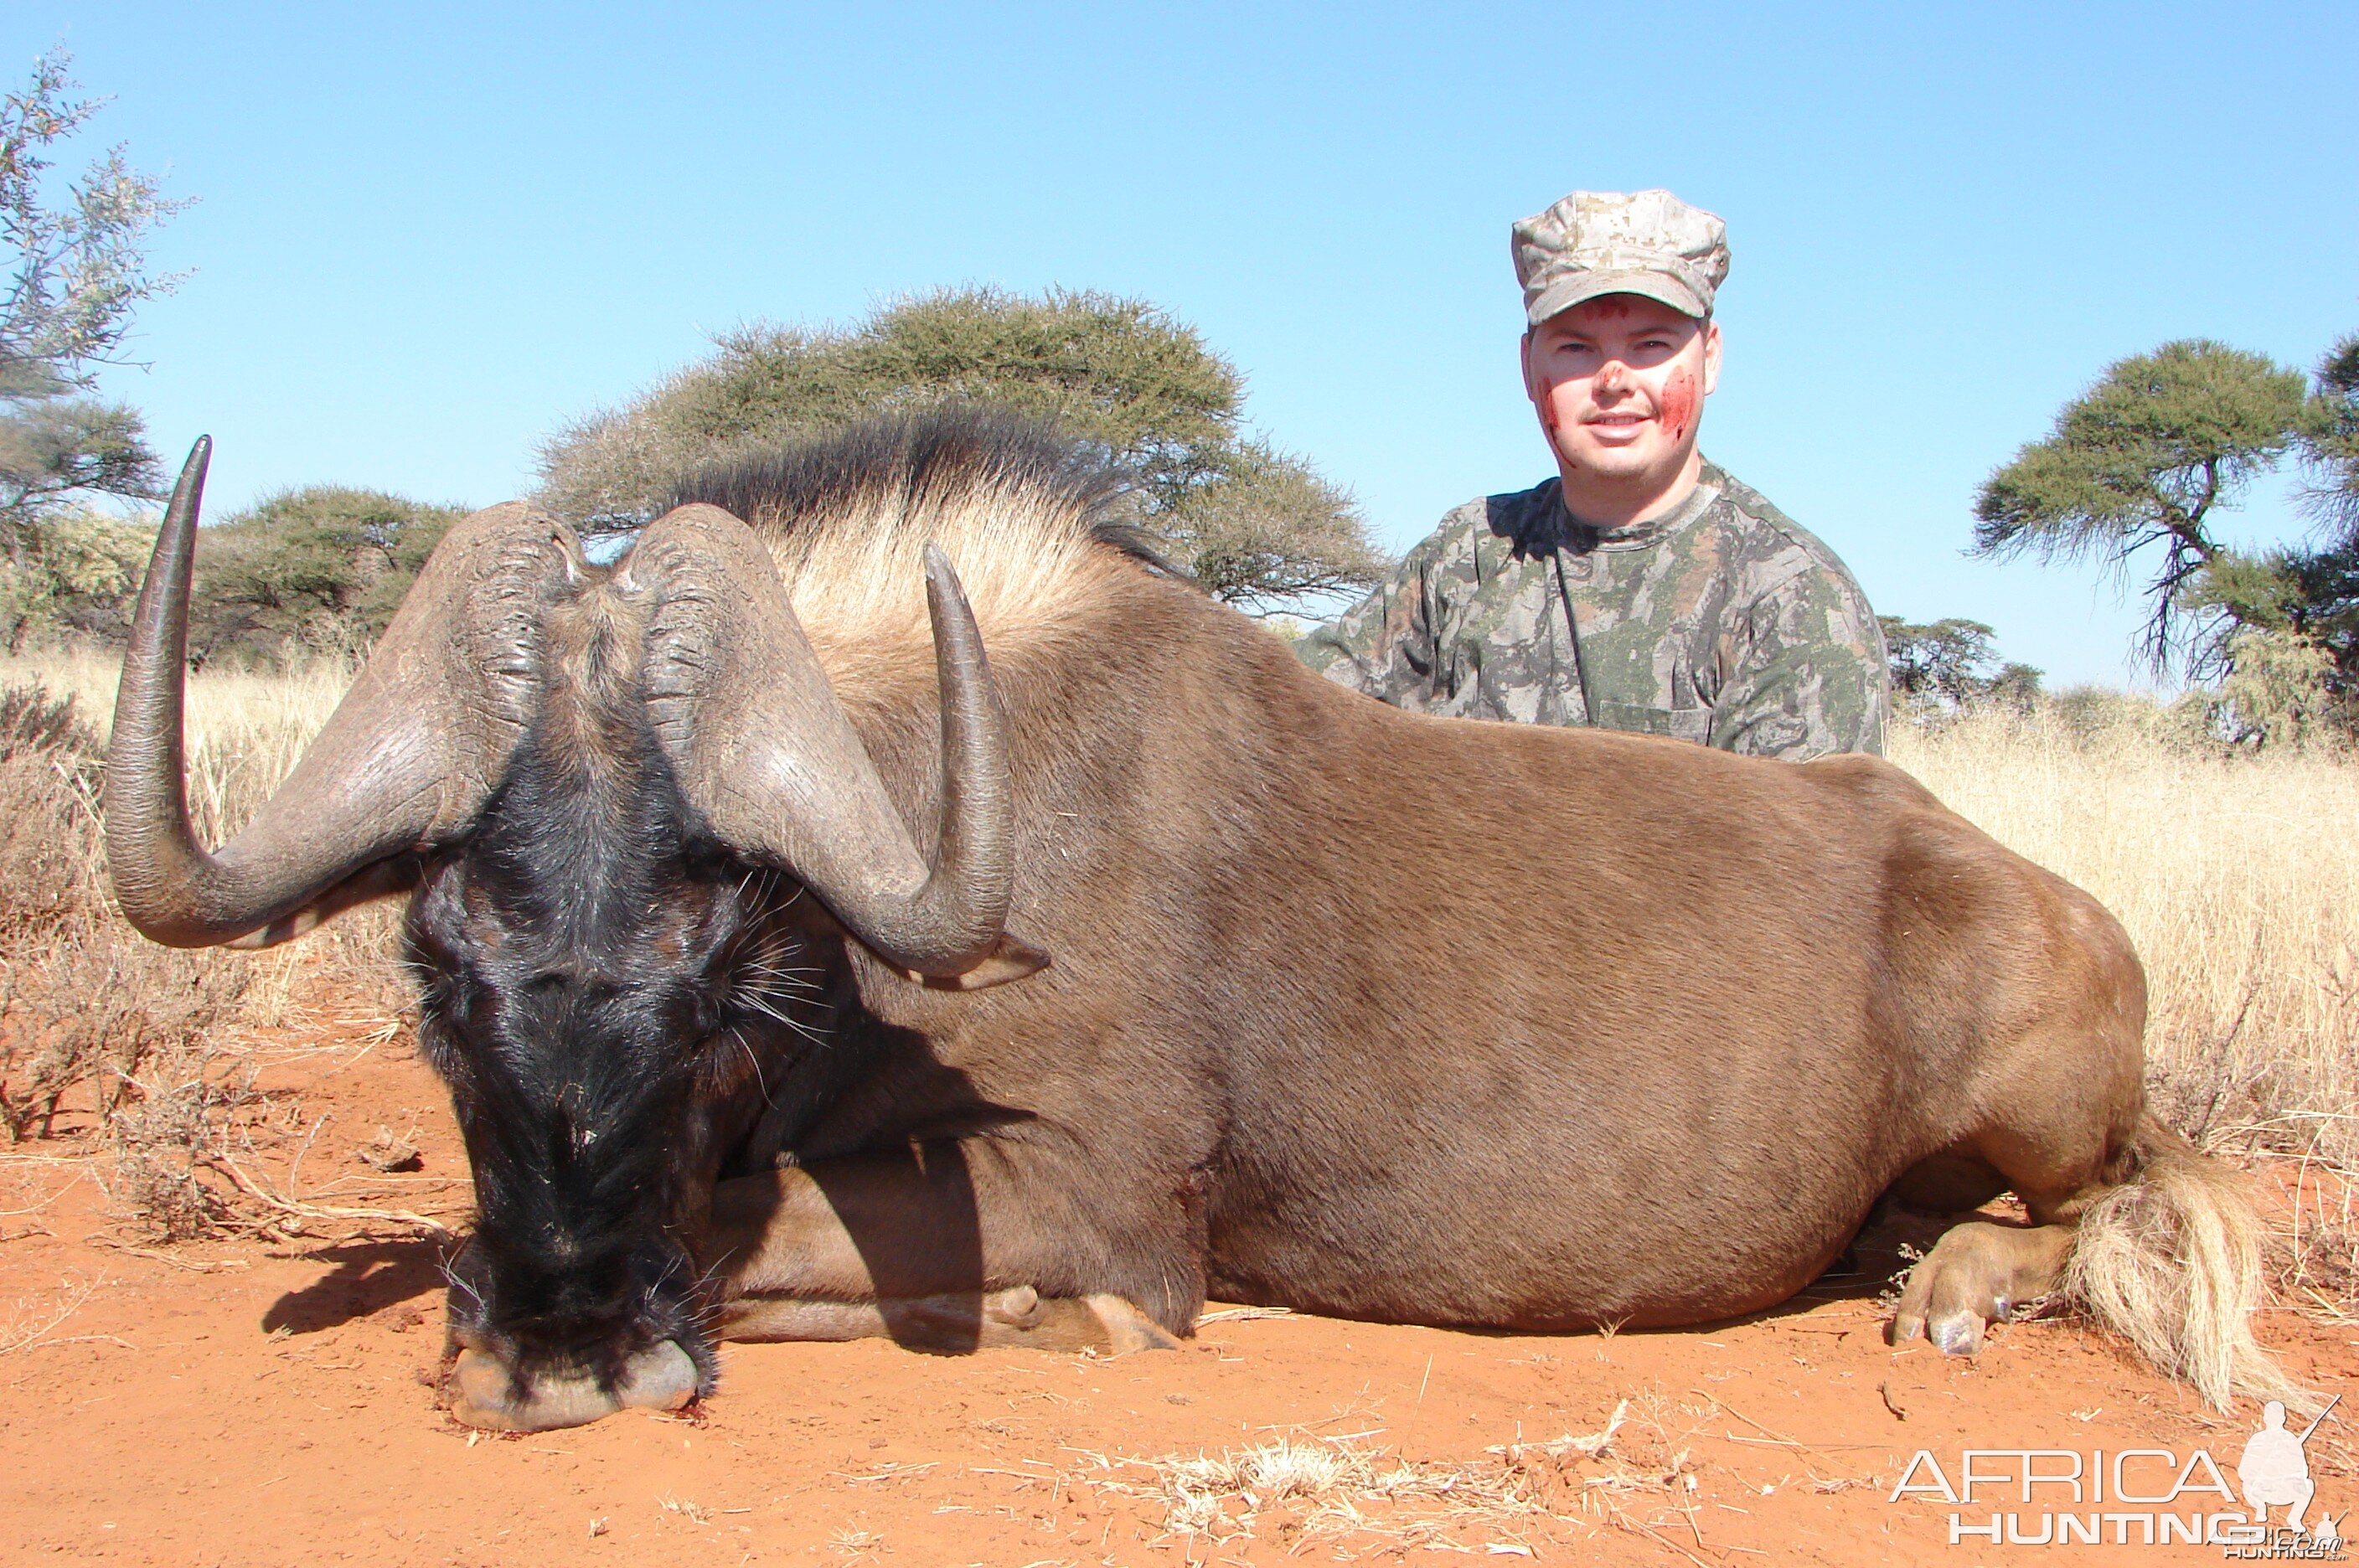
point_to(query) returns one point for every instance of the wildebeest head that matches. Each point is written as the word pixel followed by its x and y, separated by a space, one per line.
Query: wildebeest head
pixel 610 789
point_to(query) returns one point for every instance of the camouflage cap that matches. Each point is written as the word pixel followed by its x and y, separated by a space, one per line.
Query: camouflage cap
pixel 1611 242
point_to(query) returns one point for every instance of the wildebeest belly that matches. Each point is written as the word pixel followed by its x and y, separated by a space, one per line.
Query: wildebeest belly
pixel 1514 1195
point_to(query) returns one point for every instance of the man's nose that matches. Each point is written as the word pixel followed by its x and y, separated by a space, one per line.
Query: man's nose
pixel 1609 374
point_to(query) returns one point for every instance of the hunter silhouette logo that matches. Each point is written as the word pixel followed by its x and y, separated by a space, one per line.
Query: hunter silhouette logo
pixel 2137 1497
pixel 2274 1470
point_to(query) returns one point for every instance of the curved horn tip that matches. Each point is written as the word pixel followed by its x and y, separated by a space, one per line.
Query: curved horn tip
pixel 191 483
pixel 944 591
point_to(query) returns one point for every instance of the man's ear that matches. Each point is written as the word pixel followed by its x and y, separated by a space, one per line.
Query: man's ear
pixel 1710 356
pixel 1524 358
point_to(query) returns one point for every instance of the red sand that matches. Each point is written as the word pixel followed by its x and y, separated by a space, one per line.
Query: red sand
pixel 261 1403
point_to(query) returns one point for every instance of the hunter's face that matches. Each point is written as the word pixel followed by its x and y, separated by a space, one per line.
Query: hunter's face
pixel 1619 383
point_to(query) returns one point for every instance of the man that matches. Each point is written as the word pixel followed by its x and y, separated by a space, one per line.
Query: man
pixel 1642 588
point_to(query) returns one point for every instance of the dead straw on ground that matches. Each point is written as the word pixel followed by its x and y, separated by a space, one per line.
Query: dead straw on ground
pixel 1637 1473
pixel 149 1053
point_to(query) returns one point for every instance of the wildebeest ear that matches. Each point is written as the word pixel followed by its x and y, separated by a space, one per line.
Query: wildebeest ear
pixel 386 879
pixel 1012 959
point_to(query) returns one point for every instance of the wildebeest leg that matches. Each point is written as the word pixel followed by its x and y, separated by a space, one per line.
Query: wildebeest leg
pixel 952 1324
pixel 915 1249
pixel 1978 1273
pixel 2059 1154
pixel 2061 1102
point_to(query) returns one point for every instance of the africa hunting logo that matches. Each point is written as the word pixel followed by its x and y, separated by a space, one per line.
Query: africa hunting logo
pixel 2140 1497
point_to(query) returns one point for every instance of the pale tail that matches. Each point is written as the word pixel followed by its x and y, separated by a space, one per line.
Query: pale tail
pixel 2173 1260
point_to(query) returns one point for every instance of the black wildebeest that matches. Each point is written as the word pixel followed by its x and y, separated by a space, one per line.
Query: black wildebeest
pixel 797 972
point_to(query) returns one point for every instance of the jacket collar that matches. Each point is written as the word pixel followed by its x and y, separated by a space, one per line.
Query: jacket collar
pixel 1579 537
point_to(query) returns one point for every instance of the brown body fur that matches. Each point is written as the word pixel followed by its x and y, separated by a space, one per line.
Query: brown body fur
pixel 1427 1020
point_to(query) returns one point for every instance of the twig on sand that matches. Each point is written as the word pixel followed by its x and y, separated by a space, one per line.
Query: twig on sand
pixel 1622 1520
pixel 21 1333
pixel 1660 1539
pixel 1241 1315
pixel 254 1187
pixel 1588 1447
pixel 2336 1313
pixel 1771 1431
pixel 193 1265
pixel 45 1202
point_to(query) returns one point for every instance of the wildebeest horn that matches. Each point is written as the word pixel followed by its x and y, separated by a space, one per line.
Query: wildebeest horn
pixel 766 755
pixel 405 760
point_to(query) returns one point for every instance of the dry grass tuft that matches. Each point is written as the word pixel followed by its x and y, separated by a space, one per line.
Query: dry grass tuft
pixel 2318 1252
pixel 163 1135
pixel 1311 1487
pixel 246 729
pixel 84 1003
pixel 106 1034
pixel 1635 1474
pixel 31 1324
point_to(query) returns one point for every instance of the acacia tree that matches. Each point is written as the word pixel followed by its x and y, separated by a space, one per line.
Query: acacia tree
pixel 1952 664
pixel 1257 526
pixel 321 569
pixel 2293 612
pixel 2330 445
pixel 74 273
pixel 2135 469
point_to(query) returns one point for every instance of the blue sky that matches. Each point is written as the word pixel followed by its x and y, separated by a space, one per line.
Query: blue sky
pixel 426 236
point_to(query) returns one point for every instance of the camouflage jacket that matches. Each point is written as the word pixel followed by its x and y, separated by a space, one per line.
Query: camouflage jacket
pixel 1722 623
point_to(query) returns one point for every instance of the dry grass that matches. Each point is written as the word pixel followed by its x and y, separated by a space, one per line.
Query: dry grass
pixel 246 729
pixel 141 1048
pixel 85 1005
pixel 28 1325
pixel 1636 1474
pixel 263 716
pixel 1309 1489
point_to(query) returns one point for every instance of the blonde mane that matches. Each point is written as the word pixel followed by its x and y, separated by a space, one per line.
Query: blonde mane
pixel 1021 515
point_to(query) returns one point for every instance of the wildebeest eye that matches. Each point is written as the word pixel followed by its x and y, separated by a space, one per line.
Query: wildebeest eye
pixel 438 994
pixel 761 975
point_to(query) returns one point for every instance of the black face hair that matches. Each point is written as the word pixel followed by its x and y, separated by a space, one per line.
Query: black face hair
pixel 620 1008
pixel 591 976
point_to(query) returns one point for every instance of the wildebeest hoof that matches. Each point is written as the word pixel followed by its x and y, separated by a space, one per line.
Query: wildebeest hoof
pixel 1960 1335
pixel 1016 1307
pixel 1974 1276
pixel 1127 1328
pixel 485 1394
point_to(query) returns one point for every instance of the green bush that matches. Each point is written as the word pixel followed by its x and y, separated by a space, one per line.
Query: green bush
pixel 321 569
pixel 1257 526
